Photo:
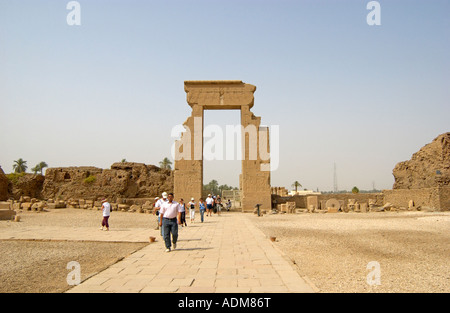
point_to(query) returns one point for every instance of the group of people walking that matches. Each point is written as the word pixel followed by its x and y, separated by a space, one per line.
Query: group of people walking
pixel 171 214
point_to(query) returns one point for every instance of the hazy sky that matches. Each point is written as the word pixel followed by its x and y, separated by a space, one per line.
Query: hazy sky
pixel 341 91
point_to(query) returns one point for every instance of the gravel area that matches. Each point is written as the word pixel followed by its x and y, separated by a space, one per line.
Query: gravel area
pixel 41 266
pixel 334 250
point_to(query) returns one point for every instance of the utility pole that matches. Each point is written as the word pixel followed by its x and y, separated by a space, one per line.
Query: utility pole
pixel 335 186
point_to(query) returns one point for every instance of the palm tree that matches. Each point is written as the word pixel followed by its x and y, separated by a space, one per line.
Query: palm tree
pixel 296 184
pixel 20 166
pixel 165 164
pixel 42 165
pixel 213 186
pixel 36 169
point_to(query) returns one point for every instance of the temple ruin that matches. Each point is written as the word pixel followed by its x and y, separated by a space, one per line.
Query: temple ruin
pixel 254 181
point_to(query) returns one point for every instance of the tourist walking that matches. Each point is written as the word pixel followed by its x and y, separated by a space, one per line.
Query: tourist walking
pixel 183 212
pixel 156 212
pixel 191 206
pixel 209 205
pixel 170 213
pixel 158 209
pixel 218 205
pixel 106 208
pixel 202 208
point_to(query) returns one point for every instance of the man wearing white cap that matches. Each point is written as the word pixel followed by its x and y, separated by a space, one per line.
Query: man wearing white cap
pixel 106 208
pixel 158 204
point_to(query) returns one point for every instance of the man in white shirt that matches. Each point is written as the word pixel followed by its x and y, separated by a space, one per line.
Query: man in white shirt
pixel 209 205
pixel 106 208
pixel 170 213
pixel 158 204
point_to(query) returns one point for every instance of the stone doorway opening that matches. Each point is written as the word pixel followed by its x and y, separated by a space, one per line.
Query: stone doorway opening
pixel 222 127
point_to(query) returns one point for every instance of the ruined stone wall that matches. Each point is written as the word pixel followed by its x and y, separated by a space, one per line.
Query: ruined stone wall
pixel 123 180
pixel 3 186
pixel 425 197
pixel 444 198
pixel 427 168
pixel 27 185
pixel 301 200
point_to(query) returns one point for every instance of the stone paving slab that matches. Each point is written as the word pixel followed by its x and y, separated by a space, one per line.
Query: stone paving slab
pixel 227 253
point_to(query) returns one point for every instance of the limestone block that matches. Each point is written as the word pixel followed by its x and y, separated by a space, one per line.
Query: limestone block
pixel 38 206
pixel 6 214
pixel 123 207
pixel 290 207
pixel 16 206
pixel 351 204
pixel 363 207
pixel 135 208
pixel 372 204
pixel 5 205
pixel 312 201
pixel 26 206
pixel 333 209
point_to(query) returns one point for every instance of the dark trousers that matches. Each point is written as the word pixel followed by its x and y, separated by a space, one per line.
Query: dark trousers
pixel 105 221
pixel 170 226
pixel 183 218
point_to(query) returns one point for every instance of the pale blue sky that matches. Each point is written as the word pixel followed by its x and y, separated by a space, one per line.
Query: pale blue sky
pixel 363 97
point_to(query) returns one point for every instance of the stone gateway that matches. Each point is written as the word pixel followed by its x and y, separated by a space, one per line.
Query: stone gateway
pixel 254 181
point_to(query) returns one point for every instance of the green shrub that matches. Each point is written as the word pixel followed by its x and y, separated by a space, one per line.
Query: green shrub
pixel 14 177
pixel 90 179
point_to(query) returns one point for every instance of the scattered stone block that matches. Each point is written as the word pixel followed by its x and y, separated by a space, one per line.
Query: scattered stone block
pixel 6 214
pixel 124 207
pixel 26 206
pixel 363 207
pixel 312 201
pixel 290 207
pixel 5 205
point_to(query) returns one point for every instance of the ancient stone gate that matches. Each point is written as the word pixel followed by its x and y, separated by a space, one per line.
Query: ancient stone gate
pixel 254 180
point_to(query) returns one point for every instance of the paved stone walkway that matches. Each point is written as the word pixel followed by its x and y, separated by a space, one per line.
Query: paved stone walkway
pixel 227 253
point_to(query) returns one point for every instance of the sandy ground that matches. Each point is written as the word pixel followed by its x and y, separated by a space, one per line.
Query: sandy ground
pixel 332 250
pixel 41 266
pixel 412 249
